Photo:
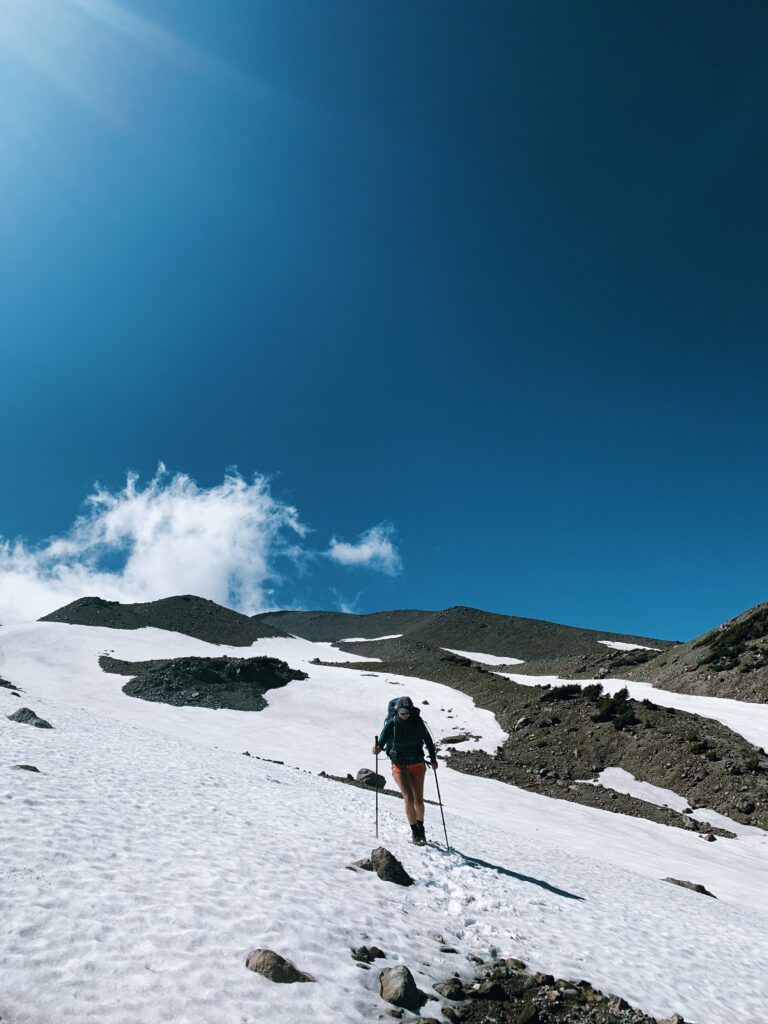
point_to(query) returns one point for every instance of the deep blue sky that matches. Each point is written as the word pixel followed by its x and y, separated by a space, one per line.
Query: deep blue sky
pixel 495 273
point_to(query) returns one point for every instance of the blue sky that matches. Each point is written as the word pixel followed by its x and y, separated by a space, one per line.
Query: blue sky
pixel 489 278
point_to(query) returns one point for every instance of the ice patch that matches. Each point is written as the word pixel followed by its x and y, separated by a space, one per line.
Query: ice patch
pixel 619 645
pixel 485 659
pixel 368 639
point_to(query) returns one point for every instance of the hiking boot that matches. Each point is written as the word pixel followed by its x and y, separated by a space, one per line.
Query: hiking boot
pixel 422 834
pixel 417 835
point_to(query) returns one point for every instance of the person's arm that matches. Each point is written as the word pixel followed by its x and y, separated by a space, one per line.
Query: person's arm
pixel 384 739
pixel 430 743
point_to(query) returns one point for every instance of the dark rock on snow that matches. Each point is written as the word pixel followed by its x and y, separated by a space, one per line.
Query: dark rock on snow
pixel 364 864
pixel 399 988
pixel 275 967
pixel 367 954
pixel 236 683
pixel 28 717
pixel 389 868
pixel 369 778
pixel 693 886
pixel 25 767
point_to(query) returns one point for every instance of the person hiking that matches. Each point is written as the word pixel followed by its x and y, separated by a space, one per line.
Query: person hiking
pixel 403 738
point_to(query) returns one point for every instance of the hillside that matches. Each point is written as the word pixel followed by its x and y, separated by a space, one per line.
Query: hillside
pixel 468 629
pixel 193 616
pixel 728 661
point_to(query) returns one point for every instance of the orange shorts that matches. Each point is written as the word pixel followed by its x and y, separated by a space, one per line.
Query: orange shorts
pixel 410 769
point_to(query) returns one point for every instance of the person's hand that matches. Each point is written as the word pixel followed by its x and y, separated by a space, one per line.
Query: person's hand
pixel 376 750
pixel 433 764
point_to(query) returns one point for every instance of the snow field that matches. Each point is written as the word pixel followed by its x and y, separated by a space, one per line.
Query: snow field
pixel 145 863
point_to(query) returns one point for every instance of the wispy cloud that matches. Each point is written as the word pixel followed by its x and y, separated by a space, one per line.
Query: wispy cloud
pixel 168 537
pixel 233 543
pixel 374 549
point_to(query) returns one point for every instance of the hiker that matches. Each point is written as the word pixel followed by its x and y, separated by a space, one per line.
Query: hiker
pixel 403 738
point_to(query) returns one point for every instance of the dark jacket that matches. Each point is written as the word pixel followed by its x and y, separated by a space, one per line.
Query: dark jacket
pixel 404 740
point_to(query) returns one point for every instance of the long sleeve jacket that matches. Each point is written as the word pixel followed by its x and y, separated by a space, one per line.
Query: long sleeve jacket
pixel 404 740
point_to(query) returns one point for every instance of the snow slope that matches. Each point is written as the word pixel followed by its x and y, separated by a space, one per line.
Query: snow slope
pixel 485 659
pixel 148 857
pixel 621 645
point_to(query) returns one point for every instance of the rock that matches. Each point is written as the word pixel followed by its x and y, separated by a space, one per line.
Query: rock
pixel 693 886
pixel 448 949
pixel 522 722
pixel 275 967
pixel 674 1019
pixel 28 717
pixel 451 1014
pixel 518 965
pixel 367 954
pixel 617 1004
pixel 398 987
pixel 529 1014
pixel 25 767
pixel 451 988
pixel 369 778
pixel 389 868
pixel 709 837
pixel 364 864
pixel 489 989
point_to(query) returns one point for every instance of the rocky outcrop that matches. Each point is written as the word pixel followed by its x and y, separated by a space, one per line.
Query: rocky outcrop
pixel 693 886
pixel 235 683
pixel 506 993
pixel 28 717
pixel 275 967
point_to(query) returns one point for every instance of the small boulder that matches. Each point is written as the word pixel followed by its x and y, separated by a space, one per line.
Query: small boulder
pixel 389 868
pixel 364 864
pixel 398 987
pixel 451 988
pixel 693 886
pixel 28 717
pixel 367 954
pixel 489 989
pixel 275 967
pixel 25 767
pixel 369 778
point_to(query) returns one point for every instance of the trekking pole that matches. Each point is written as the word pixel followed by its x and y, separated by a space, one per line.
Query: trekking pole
pixel 376 785
pixel 439 798
pixel 440 801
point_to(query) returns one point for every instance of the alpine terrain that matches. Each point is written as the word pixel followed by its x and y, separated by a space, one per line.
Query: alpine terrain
pixel 191 807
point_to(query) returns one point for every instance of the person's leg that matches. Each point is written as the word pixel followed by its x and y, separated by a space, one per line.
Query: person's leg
pixel 417 782
pixel 403 780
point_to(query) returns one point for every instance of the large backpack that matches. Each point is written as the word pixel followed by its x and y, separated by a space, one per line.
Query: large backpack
pixel 395 703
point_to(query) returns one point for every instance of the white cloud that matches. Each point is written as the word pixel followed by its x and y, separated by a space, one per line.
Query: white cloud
pixel 373 550
pixel 233 543
pixel 170 537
